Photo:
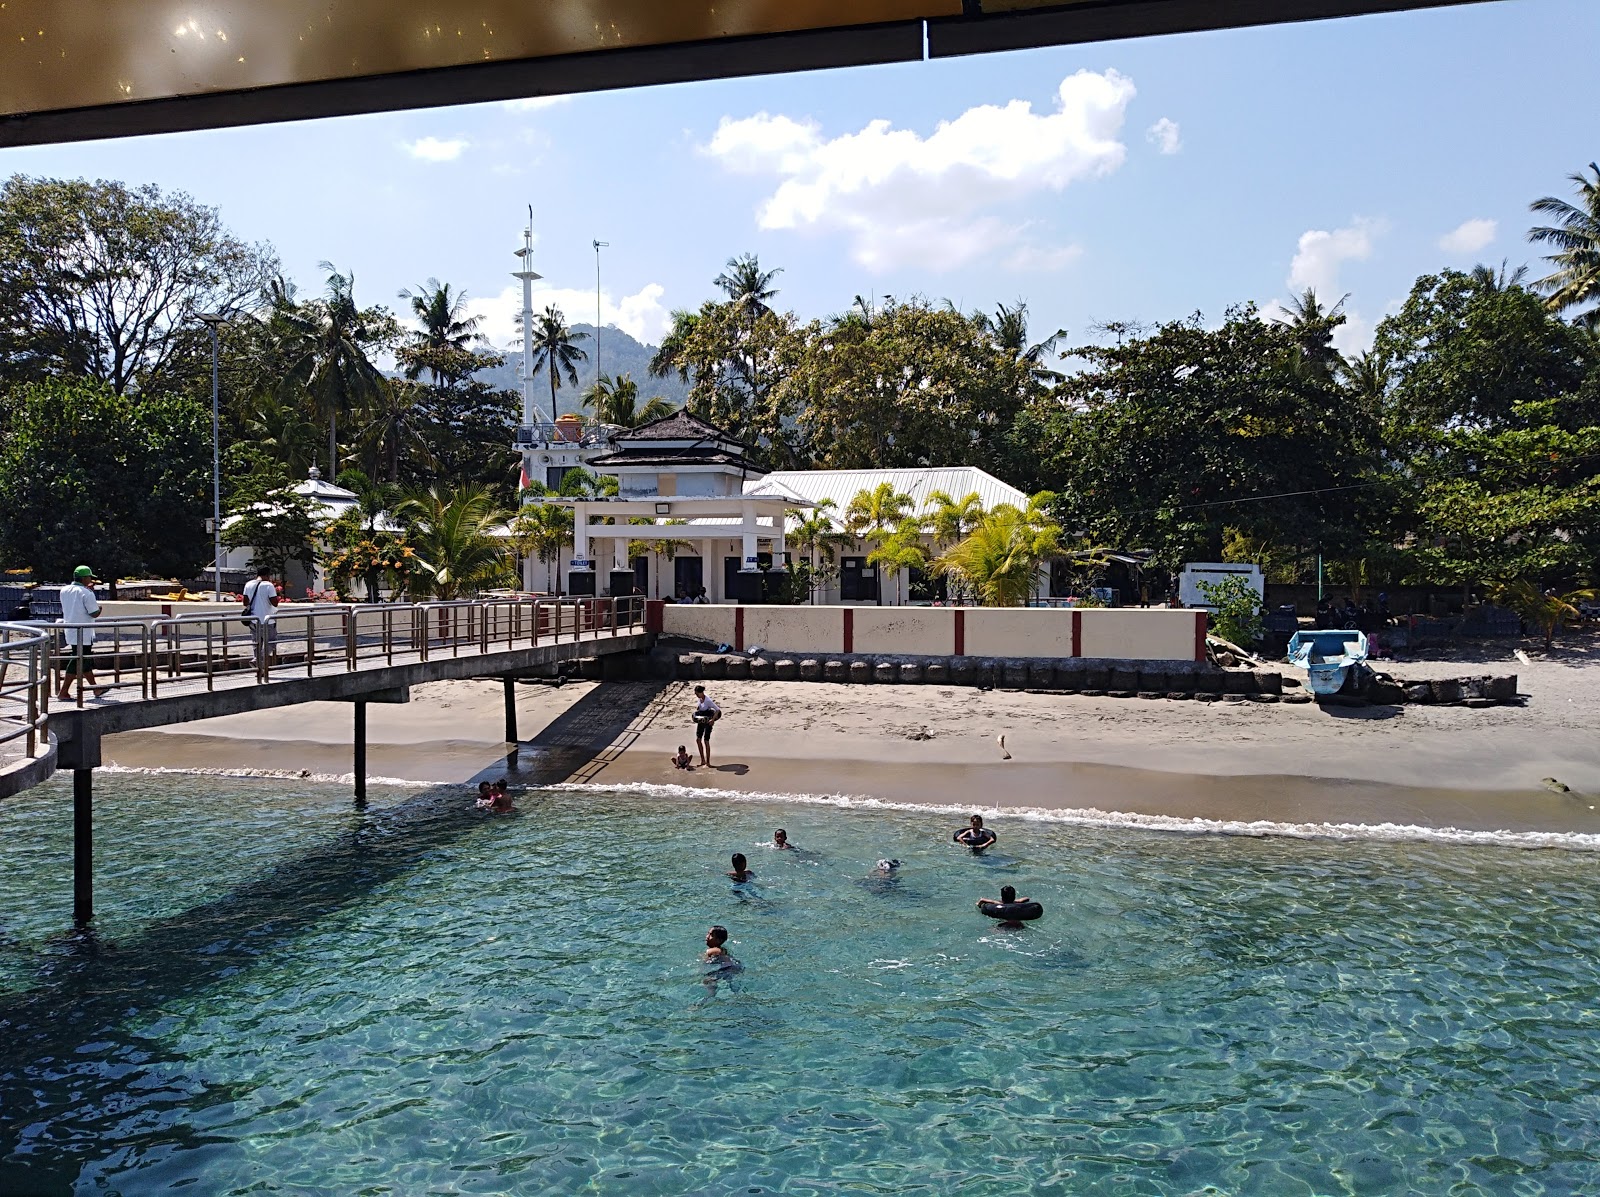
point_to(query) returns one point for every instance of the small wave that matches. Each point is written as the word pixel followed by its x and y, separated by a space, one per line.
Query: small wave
pixel 1576 841
pixel 273 775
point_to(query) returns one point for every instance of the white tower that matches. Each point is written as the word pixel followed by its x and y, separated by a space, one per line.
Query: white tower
pixel 527 437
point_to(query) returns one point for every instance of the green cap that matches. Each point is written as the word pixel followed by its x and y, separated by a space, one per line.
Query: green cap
pixel 83 571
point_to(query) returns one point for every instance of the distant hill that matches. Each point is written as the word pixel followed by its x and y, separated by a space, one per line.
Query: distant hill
pixel 619 354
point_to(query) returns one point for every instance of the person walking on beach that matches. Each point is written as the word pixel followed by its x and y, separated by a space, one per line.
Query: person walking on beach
pixel 975 835
pixel 79 609
pixel 261 609
pixel 706 714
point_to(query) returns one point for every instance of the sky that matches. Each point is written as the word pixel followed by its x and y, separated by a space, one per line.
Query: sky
pixel 1139 180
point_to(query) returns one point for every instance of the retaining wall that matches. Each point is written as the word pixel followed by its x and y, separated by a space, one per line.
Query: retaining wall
pixel 1127 634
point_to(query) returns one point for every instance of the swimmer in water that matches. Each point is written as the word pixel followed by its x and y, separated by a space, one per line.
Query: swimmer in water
pixel 485 795
pixel 501 802
pixel 1008 895
pixel 683 760
pixel 884 878
pixel 975 836
pixel 716 950
pixel 780 839
pixel 740 872
pixel 719 962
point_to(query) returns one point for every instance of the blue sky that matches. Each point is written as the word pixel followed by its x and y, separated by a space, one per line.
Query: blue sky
pixel 1136 180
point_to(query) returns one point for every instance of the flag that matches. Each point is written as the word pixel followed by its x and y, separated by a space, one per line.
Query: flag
pixel 524 481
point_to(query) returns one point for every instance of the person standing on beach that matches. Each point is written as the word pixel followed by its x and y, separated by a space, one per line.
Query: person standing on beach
pixel 706 714
pixel 975 835
pixel 79 609
pixel 261 608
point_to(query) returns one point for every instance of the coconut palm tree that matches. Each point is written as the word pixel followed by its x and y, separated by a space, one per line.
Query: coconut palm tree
pixel 392 430
pixel 1313 327
pixel 747 286
pixel 327 346
pixel 451 533
pixel 1575 234
pixel 555 350
pixel 615 401
pixel 951 519
pixel 1009 328
pixel 1000 560
pixel 447 334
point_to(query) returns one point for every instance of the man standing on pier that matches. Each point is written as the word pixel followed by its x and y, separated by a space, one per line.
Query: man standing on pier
pixel 79 609
pixel 261 608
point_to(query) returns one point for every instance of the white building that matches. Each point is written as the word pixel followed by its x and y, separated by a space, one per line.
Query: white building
pixel 328 503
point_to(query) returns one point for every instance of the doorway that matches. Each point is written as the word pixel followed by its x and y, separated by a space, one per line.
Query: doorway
pixel 688 575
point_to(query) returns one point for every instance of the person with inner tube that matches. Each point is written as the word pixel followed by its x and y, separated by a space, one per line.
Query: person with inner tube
pixel 1010 909
pixel 706 714
pixel 975 835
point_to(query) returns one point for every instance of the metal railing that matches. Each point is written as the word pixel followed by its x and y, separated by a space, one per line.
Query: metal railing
pixel 24 686
pixel 140 656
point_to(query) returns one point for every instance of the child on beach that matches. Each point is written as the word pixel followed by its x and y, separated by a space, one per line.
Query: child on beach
pixel 683 760
pixel 740 873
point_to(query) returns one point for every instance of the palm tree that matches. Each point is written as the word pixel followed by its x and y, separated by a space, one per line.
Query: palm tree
pixel 447 332
pixel 392 430
pixel 817 534
pixel 615 401
pixel 451 534
pixel 899 551
pixel 1576 237
pixel 1313 327
pixel 540 531
pixel 874 514
pixel 951 519
pixel 326 345
pixel 747 286
pixel 667 548
pixel 999 561
pixel 278 425
pixel 555 349
pixel 1009 328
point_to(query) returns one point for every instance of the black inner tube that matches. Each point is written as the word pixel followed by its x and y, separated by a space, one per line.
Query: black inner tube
pixel 1011 912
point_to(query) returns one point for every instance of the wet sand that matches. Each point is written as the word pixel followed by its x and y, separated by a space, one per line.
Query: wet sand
pixel 1241 763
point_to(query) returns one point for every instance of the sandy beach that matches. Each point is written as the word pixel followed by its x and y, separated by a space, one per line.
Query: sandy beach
pixel 1240 762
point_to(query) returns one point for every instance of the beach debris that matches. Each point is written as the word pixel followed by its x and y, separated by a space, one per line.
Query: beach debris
pixel 1001 740
pixel 1522 656
pixel 1554 786
pixel 922 733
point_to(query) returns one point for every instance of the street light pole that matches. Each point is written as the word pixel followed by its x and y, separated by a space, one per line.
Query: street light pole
pixel 598 246
pixel 213 321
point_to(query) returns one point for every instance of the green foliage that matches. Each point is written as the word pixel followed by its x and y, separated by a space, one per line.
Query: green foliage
pixel 1000 561
pixel 1544 610
pixel 1574 280
pixel 555 350
pixel 450 533
pixel 540 531
pixel 900 550
pixel 1238 609
pixel 616 401
pixel 101 281
pixel 87 475
pixel 266 513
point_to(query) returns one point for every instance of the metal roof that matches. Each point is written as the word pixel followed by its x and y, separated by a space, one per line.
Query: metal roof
pixel 843 485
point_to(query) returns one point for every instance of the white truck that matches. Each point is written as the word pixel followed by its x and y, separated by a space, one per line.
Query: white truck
pixel 1214 571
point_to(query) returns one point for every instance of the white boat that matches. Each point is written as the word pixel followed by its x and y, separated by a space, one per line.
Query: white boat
pixel 1327 656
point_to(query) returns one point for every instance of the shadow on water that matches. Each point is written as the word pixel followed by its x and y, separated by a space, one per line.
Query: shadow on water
pixel 70 1033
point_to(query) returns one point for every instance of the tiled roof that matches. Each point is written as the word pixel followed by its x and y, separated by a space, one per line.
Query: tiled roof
pixel 679 426
pixel 647 455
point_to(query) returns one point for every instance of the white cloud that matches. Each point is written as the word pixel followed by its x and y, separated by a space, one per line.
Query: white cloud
pixel 432 149
pixel 534 103
pixel 1165 134
pixel 1354 335
pixel 903 198
pixel 1321 253
pixel 1469 237
pixel 641 315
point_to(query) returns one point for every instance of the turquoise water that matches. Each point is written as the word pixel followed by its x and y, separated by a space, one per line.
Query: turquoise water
pixel 288 996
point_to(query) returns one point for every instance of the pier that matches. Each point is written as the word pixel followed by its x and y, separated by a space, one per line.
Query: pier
pixel 159 671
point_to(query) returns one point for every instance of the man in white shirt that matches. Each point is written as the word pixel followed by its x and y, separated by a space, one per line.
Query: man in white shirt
pixel 261 609
pixel 706 714
pixel 79 608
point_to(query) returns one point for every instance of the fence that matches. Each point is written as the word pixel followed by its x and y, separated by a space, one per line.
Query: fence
pixel 141 655
pixel 24 687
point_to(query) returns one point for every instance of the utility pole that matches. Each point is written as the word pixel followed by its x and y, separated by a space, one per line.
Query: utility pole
pixel 598 246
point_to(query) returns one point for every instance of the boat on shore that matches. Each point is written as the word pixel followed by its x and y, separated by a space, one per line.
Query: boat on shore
pixel 1327 656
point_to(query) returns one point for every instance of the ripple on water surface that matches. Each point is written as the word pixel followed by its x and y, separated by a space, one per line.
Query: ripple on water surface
pixel 289 995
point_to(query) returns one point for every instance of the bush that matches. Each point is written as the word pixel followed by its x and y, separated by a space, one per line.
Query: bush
pixel 1238 608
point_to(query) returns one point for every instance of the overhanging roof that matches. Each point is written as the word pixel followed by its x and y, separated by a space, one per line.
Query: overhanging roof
pixel 71 70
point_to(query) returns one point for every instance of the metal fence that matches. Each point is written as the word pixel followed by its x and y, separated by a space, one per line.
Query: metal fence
pixel 141 656
pixel 24 687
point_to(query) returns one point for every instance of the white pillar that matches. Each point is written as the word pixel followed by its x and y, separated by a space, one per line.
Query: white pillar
pixel 580 531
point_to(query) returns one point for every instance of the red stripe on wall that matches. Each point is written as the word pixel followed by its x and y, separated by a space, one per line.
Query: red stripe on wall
pixel 961 633
pixel 1199 635
pixel 738 629
pixel 849 630
pixel 1077 632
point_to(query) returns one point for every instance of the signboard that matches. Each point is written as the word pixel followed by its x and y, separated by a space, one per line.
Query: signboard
pixel 582 563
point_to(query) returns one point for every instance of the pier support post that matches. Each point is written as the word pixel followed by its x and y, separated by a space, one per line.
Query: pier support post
pixel 511 709
pixel 361 752
pixel 82 847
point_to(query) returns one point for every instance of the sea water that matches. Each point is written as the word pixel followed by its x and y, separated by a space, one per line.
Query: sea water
pixel 287 995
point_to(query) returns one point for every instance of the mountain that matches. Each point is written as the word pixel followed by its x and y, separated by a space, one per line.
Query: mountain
pixel 619 354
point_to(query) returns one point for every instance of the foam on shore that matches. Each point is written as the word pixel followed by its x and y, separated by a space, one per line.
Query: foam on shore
pixel 1573 841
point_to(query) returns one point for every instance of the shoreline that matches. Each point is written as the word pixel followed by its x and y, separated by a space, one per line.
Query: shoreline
pixel 1237 765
